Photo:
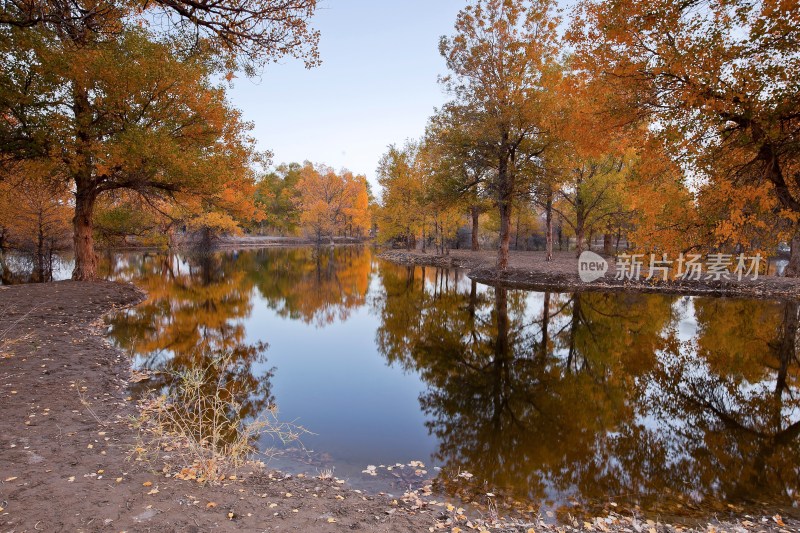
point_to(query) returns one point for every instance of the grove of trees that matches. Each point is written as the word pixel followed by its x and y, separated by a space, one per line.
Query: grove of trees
pixel 673 125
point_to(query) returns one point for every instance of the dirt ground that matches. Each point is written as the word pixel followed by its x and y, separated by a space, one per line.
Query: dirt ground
pixel 66 443
pixel 67 446
pixel 529 270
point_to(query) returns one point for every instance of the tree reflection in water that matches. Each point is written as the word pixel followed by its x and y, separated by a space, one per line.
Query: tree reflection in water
pixel 642 399
pixel 597 397
pixel 196 307
pixel 191 317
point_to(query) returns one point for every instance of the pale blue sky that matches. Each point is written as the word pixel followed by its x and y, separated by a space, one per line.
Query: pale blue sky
pixel 377 84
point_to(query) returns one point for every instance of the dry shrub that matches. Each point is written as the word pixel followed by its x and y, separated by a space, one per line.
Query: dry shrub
pixel 197 428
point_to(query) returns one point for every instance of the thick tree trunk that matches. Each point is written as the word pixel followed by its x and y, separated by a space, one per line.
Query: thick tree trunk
pixel 793 268
pixel 475 212
pixel 39 269
pixel 548 236
pixel 85 192
pixel 85 258
pixel 505 195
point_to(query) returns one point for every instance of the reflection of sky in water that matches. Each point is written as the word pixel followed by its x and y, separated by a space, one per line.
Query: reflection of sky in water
pixel 330 381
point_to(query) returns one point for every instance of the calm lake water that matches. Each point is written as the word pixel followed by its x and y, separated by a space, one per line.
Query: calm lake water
pixel 561 401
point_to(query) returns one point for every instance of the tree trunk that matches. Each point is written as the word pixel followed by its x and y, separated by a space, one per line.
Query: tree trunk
pixel 85 193
pixel 579 232
pixel 83 227
pixel 505 234
pixel 505 195
pixel 607 243
pixel 548 236
pixel 793 268
pixel 475 222
pixel 560 236
pixel 38 271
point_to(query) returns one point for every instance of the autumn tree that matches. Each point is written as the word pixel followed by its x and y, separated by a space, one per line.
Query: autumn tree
pixel 332 204
pixel 122 107
pixel 590 197
pixel 400 216
pixel 128 114
pixel 276 196
pixel 458 173
pixel 357 215
pixel 35 216
pixel 502 64
pixel 718 81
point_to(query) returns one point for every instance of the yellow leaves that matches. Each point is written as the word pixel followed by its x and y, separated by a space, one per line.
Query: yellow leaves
pixel 332 203
pixel 216 222
pixel 147 484
pixel 211 505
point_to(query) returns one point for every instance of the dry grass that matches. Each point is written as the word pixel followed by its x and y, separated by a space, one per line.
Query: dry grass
pixel 198 428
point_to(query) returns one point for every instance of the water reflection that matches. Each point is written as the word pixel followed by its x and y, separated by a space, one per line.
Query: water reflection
pixel 191 319
pixel 675 404
pixel 315 285
pixel 590 397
